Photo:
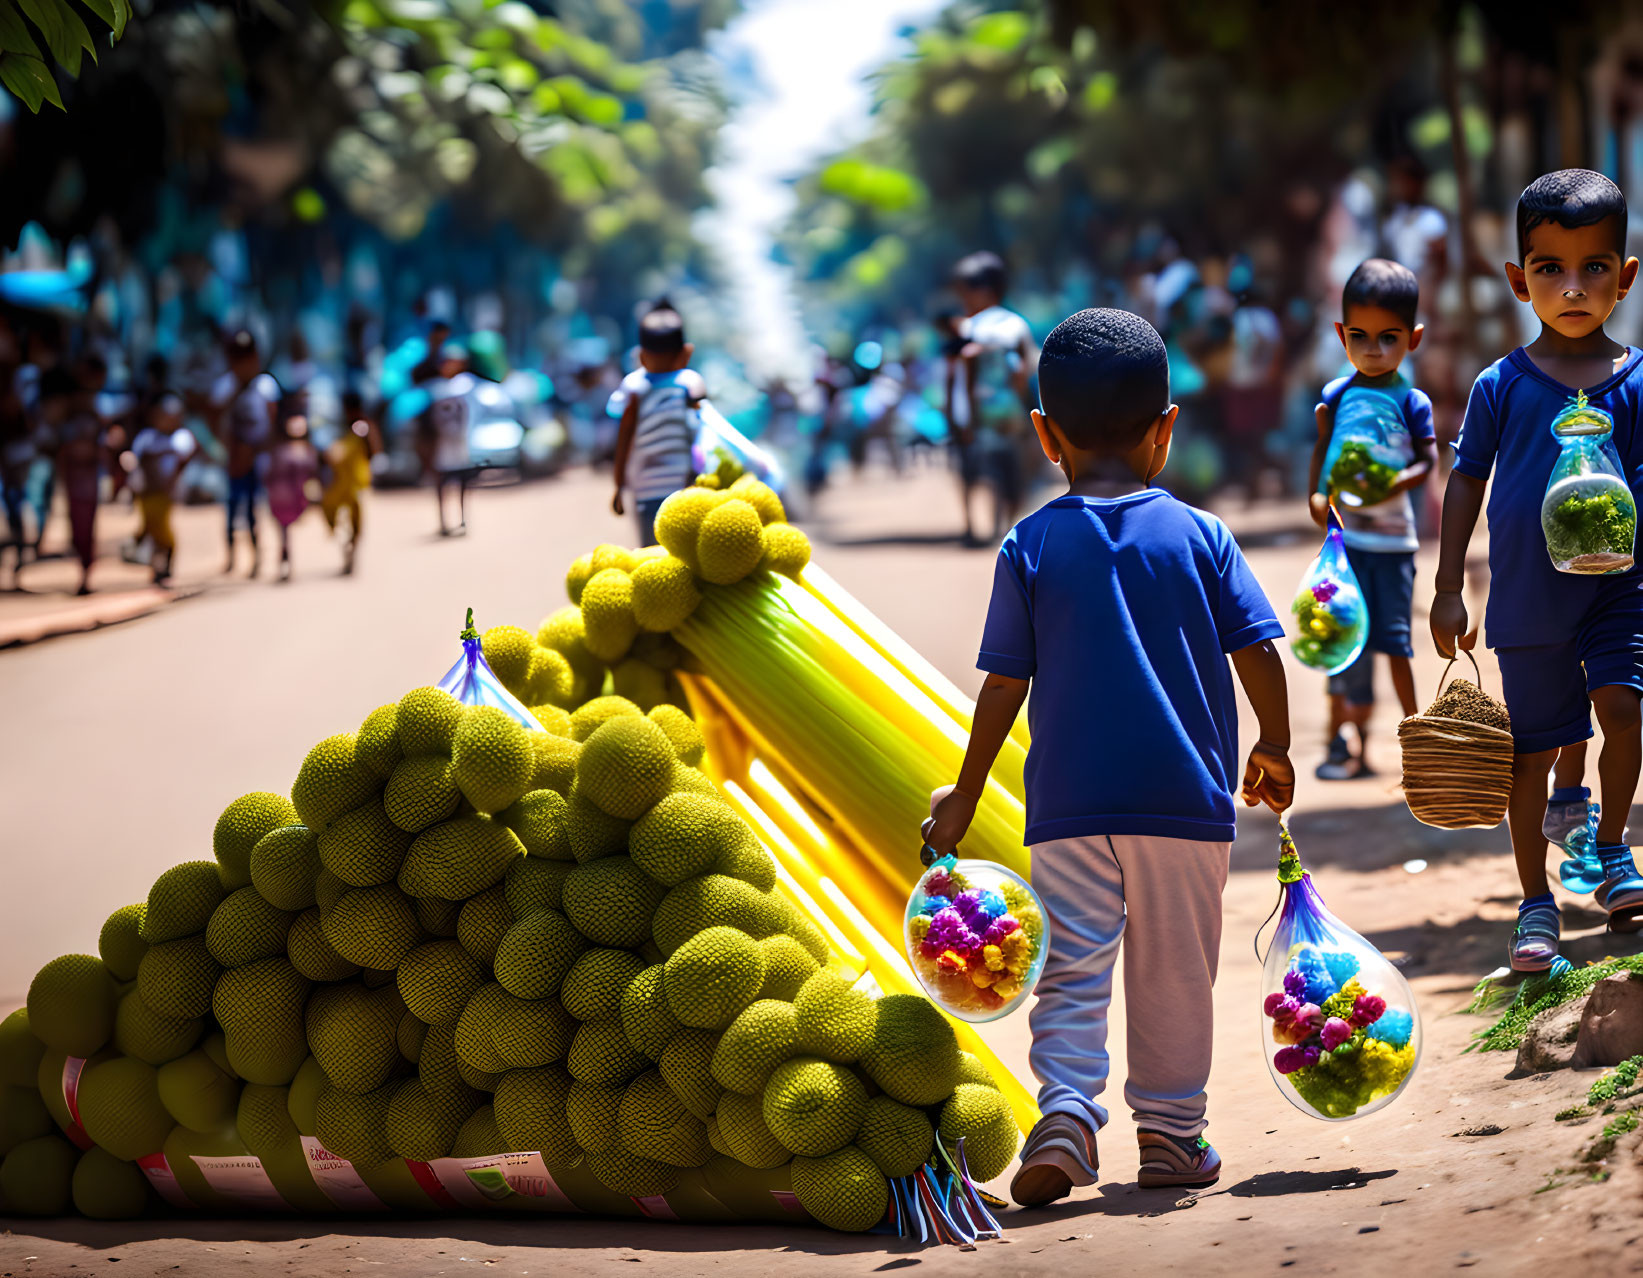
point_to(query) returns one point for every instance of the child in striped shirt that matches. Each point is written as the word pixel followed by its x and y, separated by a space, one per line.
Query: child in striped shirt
pixel 658 404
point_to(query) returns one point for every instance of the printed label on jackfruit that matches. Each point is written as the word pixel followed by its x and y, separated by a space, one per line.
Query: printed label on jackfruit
pixel 242 1180
pixel 480 1182
pixel 338 1180
pixel 73 1067
pixel 164 1180
pixel 789 1201
pixel 656 1207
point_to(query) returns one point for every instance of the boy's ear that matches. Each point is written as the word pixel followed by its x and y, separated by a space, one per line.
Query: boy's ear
pixel 687 351
pixel 1415 335
pixel 1520 285
pixel 1628 276
pixel 1047 439
pixel 1165 426
pixel 1340 332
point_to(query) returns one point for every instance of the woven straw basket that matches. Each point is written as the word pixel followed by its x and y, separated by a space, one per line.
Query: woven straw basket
pixel 1456 774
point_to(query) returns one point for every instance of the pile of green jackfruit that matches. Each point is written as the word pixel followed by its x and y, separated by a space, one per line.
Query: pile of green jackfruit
pixel 458 936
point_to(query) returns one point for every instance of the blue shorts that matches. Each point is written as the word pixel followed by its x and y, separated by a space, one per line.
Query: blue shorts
pixel 1387 579
pixel 1548 687
pixel 644 512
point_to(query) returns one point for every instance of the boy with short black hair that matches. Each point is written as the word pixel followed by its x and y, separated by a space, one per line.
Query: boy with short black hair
pixel 1119 605
pixel 1375 443
pixel 658 404
pixel 1568 645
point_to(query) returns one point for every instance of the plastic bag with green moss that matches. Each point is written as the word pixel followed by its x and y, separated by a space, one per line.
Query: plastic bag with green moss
pixel 1588 516
pixel 1339 1027
pixel 1331 619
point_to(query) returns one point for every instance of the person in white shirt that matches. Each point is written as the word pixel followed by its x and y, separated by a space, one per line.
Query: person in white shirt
pixel 243 403
pixel 658 404
pixel 162 448
pixel 444 433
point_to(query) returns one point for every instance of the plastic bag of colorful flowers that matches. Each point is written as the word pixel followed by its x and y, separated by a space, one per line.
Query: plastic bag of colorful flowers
pixel 1339 1026
pixel 1331 618
pixel 976 937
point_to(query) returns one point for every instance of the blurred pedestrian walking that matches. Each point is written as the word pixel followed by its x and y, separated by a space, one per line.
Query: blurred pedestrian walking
pixel 658 404
pixel 66 406
pixel 162 448
pixel 244 402
pixel 292 467
pixel 443 433
pixel 348 474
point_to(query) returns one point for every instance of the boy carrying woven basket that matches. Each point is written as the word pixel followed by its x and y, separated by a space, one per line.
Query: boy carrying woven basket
pixel 1568 645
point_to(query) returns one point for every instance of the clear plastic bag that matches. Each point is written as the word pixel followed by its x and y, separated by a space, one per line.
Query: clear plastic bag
pixel 1361 467
pixel 472 681
pixel 1331 619
pixel 1588 516
pixel 1339 1027
pixel 976 937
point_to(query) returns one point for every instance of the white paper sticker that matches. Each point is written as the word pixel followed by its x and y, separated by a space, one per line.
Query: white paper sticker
pixel 478 1182
pixel 73 1067
pixel 164 1180
pixel 242 1180
pixel 338 1180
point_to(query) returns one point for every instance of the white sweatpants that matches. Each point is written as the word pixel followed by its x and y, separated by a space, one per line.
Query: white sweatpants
pixel 1162 899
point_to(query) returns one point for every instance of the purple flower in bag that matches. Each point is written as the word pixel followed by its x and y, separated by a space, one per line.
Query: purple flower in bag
pixel 1324 591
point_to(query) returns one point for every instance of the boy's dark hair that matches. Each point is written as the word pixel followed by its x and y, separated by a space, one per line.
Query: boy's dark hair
pixel 662 331
pixel 1571 198
pixel 56 383
pixel 983 270
pixel 1382 282
pixel 1103 378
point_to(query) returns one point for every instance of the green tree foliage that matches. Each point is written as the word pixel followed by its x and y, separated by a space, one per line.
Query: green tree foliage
pixel 27 25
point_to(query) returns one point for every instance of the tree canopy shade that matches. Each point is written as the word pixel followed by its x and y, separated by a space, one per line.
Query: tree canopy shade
pixel 36 34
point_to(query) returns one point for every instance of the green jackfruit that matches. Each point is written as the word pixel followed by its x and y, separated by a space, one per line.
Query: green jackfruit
pixel 354 1125
pixel 332 781
pixel 556 758
pixel 536 953
pixel 492 760
pixel 421 792
pixel 728 545
pixel 376 744
pixel 459 859
pixel 533 884
pixel 981 1118
pixel 608 623
pixel 746 1134
pixel 897 1137
pixel 638 681
pixel 508 651
pixel 664 593
pixel 591 1112
pixel 242 823
pixel 121 1110
pixel 541 822
pixel 971 1070
pixel 311 954
pixel 424 1125
pixel 437 917
pixel 364 848
pixel 652 1119
pixel 302 1097
pixel 835 1021
pixel 71 1004
pixel 611 901
pixel 843 1190
pixel 914 1053
pixel 23 1116
pixel 120 943
pixel 181 901
pixel 685 835
pixel 260 1007
pixel 761 496
pixel 679 520
pixel 353 1033
pixel 105 1188
pixel 141 1032
pixel 551 681
pixel 647 1021
pixel 625 767
pixel 529 1106
pixel 426 721
pixel 784 549
pixel 528 1033
pixel 564 633
pixel 554 719
pixel 37 1177
pixel 284 865
pixel 484 921
pixel 263 1120
pixel 592 715
pixel 436 980
pixel 713 976
pixel 593 988
pixel 629 1174
pixel 410 1034
pixel 601 1055
pixel 475 1044
pixel 246 928
pixel 682 731
pixel 761 1038
pixel 176 978
pixel 813 1106
pixel 20 1050
pixel 686 1067
pixel 593 832
pixel 576 577
pixel 712 900
pixel 374 927
pixel 788 966
pixel 328 890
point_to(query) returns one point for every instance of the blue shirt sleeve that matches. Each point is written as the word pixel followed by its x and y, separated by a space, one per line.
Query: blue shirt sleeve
pixel 1008 645
pixel 1417 414
pixel 1479 430
pixel 1243 614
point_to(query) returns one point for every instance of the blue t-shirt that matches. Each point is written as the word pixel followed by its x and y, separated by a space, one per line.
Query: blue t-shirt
pixel 1121 611
pixel 1391 415
pixel 1508 429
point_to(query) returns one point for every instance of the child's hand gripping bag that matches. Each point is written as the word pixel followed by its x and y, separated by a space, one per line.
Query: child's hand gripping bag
pixel 472 681
pixel 1331 619
pixel 1339 1027
pixel 976 937
pixel 1588 515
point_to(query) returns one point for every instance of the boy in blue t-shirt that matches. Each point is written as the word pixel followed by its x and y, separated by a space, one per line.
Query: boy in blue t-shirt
pixel 1567 645
pixel 1375 443
pixel 1119 605
pixel 658 404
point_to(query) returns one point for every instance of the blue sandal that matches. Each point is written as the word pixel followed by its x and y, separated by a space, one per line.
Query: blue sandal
pixel 1621 892
pixel 1535 939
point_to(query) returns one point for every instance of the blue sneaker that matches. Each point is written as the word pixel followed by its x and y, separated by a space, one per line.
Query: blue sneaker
pixel 1621 892
pixel 1534 940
